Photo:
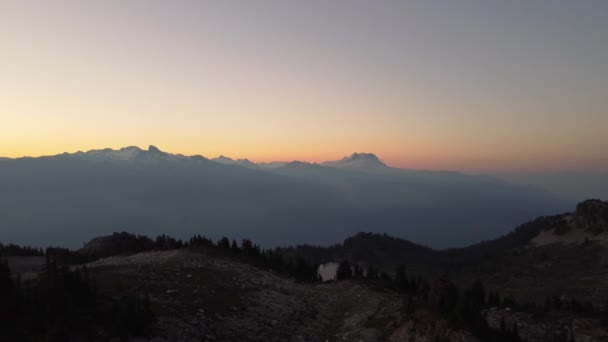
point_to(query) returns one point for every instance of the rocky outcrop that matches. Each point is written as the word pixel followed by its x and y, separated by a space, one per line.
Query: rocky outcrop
pixel 557 327
pixel 115 244
pixel 588 223
pixel 592 216
pixel 423 327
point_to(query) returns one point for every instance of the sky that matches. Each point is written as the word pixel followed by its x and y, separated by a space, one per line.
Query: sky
pixel 491 86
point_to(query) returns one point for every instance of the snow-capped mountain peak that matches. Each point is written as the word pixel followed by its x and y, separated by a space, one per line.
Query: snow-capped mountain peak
pixel 357 161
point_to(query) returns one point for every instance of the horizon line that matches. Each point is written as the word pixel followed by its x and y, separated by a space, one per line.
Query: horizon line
pixel 465 170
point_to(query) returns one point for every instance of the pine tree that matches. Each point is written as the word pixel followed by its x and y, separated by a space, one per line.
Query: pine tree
pixel 401 278
pixel 478 293
pixel 358 271
pixel 224 243
pixel 234 247
pixel 6 284
pixel 248 247
pixel 344 271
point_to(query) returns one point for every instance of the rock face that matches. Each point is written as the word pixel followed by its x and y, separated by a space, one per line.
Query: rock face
pixel 588 223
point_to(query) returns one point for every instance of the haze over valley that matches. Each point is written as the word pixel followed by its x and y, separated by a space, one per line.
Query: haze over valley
pixel 70 198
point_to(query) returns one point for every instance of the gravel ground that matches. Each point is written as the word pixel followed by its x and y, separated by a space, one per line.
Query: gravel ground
pixel 198 297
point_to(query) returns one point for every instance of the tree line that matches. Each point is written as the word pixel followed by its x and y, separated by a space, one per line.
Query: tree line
pixel 63 303
pixel 465 308
pixel 124 243
pixel 16 250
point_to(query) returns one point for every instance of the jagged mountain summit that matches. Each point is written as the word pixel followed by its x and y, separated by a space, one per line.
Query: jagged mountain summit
pixel 124 153
pixel 357 161
pixel 129 153
pixel 240 162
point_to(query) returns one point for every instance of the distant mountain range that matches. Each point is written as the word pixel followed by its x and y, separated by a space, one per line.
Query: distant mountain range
pixel 358 161
pixel 74 197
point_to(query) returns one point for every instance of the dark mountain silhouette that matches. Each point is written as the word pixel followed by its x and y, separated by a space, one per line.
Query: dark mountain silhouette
pixel 85 194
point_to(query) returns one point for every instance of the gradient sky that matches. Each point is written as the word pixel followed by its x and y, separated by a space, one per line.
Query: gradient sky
pixel 468 85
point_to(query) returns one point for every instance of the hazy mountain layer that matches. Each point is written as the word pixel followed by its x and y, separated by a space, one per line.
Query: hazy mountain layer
pixel 578 185
pixel 71 198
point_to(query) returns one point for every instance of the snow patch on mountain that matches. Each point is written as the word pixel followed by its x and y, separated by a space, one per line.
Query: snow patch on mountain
pixel 357 161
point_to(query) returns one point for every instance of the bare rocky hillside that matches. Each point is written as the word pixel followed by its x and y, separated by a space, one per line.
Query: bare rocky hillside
pixel 198 297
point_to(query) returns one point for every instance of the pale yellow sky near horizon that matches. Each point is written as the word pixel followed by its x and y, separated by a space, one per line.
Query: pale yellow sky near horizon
pixel 421 84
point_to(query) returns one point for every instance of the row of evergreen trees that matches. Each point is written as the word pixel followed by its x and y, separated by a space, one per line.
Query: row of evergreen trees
pixel 16 250
pixel 64 302
pixel 124 243
pixel 295 267
pixel 461 308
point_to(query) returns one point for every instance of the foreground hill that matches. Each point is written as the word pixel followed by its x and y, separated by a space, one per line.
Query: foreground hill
pixel 82 195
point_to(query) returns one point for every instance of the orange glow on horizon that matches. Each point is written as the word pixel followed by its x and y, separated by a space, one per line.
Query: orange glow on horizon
pixel 451 91
pixel 419 160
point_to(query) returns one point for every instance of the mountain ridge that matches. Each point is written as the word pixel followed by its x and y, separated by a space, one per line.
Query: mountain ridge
pixel 85 194
pixel 127 152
